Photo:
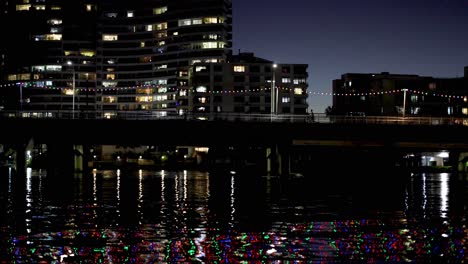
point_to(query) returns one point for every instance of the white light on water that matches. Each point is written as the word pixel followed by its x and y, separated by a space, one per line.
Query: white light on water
pixel 444 194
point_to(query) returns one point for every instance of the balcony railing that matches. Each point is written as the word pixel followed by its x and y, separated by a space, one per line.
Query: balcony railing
pixel 236 117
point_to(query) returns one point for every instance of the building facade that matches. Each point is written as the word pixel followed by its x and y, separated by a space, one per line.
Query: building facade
pixel 376 94
pixel 110 55
pixel 243 85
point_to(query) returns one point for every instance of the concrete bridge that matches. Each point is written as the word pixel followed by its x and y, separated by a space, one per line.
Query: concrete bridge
pixel 276 136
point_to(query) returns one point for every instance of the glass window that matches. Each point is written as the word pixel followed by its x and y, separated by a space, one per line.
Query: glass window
pixel 239 68
pixel 160 10
pixel 109 37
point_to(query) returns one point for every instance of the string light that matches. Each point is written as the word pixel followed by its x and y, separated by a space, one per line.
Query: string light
pixel 284 89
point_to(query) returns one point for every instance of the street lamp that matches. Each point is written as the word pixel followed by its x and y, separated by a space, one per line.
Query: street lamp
pixel 73 88
pixel 273 101
pixel 404 101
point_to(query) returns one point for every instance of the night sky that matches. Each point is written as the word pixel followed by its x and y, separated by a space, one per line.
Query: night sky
pixel 424 37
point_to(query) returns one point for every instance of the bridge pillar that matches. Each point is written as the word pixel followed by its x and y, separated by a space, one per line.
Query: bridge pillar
pixel 278 162
pixel 462 164
pixel 22 157
pixel 78 158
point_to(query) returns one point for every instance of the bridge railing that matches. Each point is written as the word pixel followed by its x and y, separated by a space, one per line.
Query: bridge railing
pixel 236 117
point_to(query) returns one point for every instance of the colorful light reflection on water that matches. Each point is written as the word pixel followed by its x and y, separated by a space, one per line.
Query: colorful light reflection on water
pixel 188 216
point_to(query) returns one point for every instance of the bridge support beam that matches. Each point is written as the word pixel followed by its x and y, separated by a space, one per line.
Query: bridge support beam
pixel 462 164
pixel 278 160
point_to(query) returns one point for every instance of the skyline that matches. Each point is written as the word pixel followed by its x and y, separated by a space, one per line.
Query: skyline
pixel 427 38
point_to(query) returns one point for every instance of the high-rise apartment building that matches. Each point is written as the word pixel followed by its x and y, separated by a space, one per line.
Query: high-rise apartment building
pixel 110 55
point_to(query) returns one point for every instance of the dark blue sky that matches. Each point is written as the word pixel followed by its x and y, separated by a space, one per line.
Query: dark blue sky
pixel 425 37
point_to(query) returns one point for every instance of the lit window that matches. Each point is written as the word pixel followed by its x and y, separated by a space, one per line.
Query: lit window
pixel 87 53
pixel 211 60
pixel 12 77
pixel 163 81
pixel 54 21
pixel 210 20
pixel 239 68
pixel 197 21
pixel 160 10
pixel 109 84
pixel 465 99
pixel 450 110
pixel 149 27
pixel 38 68
pixel 202 100
pixel 285 80
pixel 298 91
pixel 89 8
pixel 54 30
pixel 109 37
pixel 160 98
pixel 210 45
pixel 24 76
pixel 68 91
pixel 175 33
pixel 201 109
pixel 200 68
pixel 53 68
pixel 110 76
pixel 23 7
pixel 465 111
pixel 56 8
pixel 53 36
pixel 142 44
pixel 130 13
pixel 164 66
pixel 161 34
pixel 39 7
pixel 213 36
pixel 48 83
pixel 183 93
pixel 185 22
pixel 109 99
pixel 414 98
pixel 161 26
pixel 161 43
pixel 201 89
pixel 286 99
pixel 144 99
pixel 195 61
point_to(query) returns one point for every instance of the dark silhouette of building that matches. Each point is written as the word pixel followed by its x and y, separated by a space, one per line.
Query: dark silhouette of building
pixel 384 93
pixel 109 55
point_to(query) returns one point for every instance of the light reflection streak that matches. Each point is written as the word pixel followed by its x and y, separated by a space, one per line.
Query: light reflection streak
pixel 176 190
pixel 163 198
pixel 29 200
pixel 95 187
pixel 424 193
pixel 185 186
pixel 118 194
pixel 233 209
pixel 140 195
pixel 444 192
